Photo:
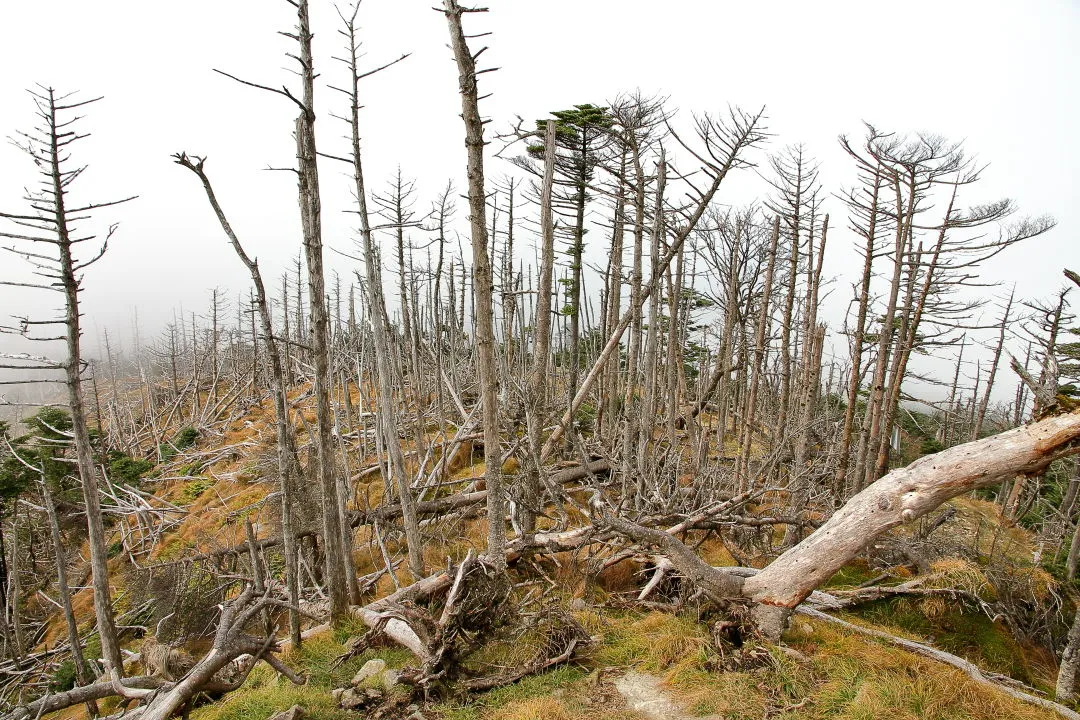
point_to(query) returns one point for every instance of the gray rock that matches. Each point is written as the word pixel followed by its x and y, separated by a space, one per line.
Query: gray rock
pixel 643 694
pixel 294 713
pixel 389 679
pixel 577 605
pixel 371 669
pixel 350 699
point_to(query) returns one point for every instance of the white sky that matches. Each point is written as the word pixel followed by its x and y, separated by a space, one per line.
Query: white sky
pixel 1001 76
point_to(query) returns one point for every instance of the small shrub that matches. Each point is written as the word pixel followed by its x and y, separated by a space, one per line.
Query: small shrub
pixel 184 439
pixel 115 549
pixel 64 677
pixel 194 489
pixel 127 470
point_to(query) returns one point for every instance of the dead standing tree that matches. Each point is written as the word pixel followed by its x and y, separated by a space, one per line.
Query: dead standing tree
pixel 724 146
pixel 289 468
pixel 310 202
pixel 376 302
pixel 52 225
pixel 482 277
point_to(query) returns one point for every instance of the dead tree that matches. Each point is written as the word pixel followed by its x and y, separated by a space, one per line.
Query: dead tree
pixel 289 469
pixel 335 543
pixel 376 303
pixel 53 224
pixel 900 497
pixel 537 380
pixel 1070 663
pixel 980 415
pixel 161 700
pixel 482 275
pixel 724 146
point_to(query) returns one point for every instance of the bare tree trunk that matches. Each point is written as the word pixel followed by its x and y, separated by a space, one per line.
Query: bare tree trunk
pixel 646 419
pixel 610 406
pixel 288 463
pixel 70 280
pixel 875 406
pixel 1070 663
pixel 82 672
pixel 311 221
pixel 743 133
pixel 980 415
pixel 747 429
pixel 541 331
pixel 384 372
pixel 485 338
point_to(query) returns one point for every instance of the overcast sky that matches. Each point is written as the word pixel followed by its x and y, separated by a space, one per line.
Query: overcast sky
pixel 1000 76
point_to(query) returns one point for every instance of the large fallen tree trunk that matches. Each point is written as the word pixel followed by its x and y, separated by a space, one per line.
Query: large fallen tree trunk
pixel 901 496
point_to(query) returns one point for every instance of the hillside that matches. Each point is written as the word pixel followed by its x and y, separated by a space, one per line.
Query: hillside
pixel 658 655
pixel 640 413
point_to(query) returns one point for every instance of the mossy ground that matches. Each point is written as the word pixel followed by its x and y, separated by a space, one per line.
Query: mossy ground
pixel 844 676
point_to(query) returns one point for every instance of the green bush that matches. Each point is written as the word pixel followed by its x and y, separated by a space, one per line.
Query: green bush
pixel 64 677
pixel 184 439
pixel 195 488
pixel 127 470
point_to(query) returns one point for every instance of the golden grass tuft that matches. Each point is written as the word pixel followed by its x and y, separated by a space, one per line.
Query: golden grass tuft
pixel 963 575
pixel 652 642
pixel 858 678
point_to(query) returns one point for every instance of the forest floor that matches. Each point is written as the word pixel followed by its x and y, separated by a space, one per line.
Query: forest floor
pixel 641 664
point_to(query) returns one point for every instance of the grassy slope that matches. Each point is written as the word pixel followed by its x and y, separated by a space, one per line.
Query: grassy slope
pixel 842 676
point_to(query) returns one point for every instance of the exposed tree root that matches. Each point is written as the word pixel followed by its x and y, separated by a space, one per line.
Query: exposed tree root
pixel 162 699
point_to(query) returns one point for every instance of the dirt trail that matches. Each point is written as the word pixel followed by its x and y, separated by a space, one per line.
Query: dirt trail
pixel 643 694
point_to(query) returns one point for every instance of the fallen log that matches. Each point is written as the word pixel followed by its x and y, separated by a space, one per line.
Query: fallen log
pixel 1005 684
pixel 79 695
pixel 900 497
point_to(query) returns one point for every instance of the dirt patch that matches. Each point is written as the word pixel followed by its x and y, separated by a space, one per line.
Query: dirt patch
pixel 643 694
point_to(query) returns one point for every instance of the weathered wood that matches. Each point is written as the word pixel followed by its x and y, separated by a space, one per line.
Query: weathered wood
pixel 1070 663
pixel 902 496
pixel 482 278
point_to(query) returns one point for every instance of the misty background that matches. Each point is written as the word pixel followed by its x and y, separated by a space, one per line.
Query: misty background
pixel 999 76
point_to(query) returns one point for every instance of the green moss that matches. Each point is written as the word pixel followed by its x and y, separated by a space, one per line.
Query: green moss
pixel 851 575
pixel 195 488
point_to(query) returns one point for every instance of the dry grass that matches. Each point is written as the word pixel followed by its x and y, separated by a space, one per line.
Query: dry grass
pixel 858 678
